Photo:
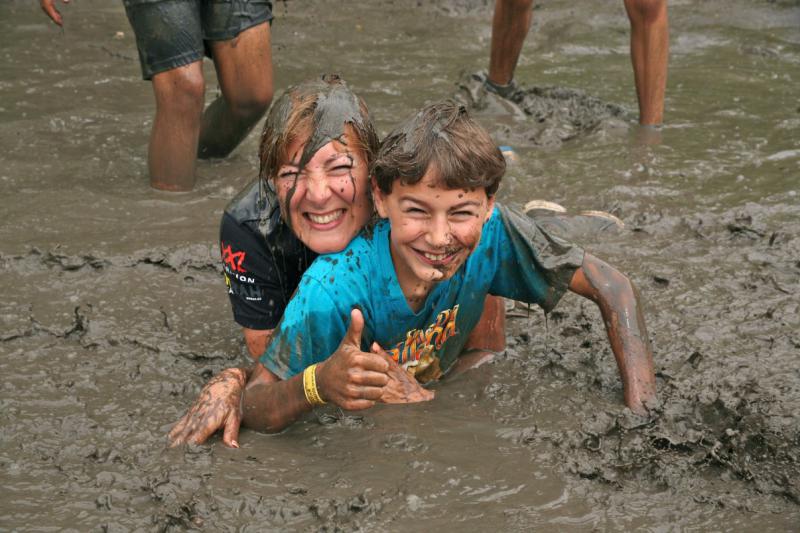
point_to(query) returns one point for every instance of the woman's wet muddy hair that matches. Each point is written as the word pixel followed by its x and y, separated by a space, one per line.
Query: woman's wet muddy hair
pixel 444 137
pixel 321 110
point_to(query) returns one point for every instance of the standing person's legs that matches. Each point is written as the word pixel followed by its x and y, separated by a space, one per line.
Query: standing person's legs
pixel 510 25
pixel 244 71
pixel 170 43
pixel 649 55
pixel 171 36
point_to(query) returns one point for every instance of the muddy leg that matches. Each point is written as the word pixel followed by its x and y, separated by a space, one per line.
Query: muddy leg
pixel 649 54
pixel 510 25
pixel 173 141
pixel 244 70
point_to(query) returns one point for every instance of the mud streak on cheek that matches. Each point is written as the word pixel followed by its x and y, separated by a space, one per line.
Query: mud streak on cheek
pixel 289 195
pixel 352 178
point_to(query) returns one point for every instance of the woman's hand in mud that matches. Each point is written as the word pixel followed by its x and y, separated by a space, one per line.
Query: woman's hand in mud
pixel 217 407
pixel 350 378
pixel 49 7
pixel 402 386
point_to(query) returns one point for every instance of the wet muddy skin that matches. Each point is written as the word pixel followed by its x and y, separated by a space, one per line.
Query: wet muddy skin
pixel 114 311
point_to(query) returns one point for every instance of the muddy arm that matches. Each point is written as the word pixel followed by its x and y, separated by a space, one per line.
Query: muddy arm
pixel 271 404
pixel 349 378
pixel 49 7
pixel 619 304
pixel 255 397
pixel 256 341
pixel 217 407
pixel 487 339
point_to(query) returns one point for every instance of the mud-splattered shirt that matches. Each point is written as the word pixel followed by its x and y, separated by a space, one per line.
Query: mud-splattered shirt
pixel 262 259
pixel 515 259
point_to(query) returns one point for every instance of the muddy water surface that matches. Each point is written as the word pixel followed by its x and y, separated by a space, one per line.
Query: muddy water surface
pixel 114 312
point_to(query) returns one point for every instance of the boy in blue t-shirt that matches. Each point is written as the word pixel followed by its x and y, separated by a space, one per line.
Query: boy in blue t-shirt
pixel 401 299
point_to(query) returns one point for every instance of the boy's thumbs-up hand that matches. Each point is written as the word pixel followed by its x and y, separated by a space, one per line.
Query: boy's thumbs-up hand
pixel 350 378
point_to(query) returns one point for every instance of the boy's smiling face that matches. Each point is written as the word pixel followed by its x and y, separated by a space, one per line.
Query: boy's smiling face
pixel 433 230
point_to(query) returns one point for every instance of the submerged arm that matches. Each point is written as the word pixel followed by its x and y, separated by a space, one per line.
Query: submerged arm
pixel 217 407
pixel 622 313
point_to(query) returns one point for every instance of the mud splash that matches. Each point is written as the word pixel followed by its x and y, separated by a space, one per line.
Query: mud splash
pixel 545 116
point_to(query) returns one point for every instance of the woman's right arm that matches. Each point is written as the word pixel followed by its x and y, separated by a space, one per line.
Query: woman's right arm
pixel 256 341
pixel 217 407
pixel 257 290
pixel 251 286
pixel 349 378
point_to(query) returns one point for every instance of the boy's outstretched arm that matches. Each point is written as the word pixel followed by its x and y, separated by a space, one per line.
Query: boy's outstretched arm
pixel 622 313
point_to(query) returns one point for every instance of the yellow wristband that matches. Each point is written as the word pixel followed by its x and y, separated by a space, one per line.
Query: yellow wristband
pixel 310 386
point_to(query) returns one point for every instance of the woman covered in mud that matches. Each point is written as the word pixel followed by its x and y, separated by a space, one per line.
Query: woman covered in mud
pixel 311 197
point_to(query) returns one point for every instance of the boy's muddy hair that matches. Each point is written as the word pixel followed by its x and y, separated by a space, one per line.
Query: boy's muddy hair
pixel 444 137
pixel 320 110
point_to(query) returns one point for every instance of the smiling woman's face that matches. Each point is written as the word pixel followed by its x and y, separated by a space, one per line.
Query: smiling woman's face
pixel 326 203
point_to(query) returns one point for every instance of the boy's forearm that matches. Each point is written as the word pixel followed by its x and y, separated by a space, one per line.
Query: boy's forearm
pixel 270 404
pixel 623 316
pixel 627 334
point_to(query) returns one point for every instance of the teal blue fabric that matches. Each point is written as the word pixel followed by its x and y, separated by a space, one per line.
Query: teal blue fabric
pixel 515 259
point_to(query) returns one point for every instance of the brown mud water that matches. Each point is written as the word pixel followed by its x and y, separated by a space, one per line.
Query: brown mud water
pixel 114 312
